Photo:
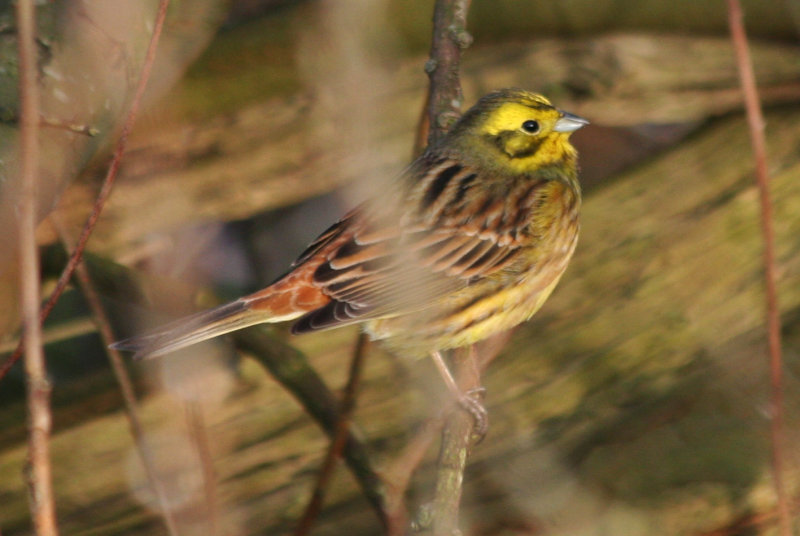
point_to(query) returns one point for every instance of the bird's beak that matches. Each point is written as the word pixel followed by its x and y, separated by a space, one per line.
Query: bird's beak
pixel 569 123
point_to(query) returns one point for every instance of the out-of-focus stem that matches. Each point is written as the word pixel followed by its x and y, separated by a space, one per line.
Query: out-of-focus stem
pixel 40 478
pixel 108 182
pixel 755 121
pixel 126 386
pixel 339 440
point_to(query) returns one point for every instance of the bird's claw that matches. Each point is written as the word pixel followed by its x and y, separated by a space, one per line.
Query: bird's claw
pixel 472 403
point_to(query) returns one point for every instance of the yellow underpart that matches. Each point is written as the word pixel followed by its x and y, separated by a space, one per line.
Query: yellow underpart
pixel 508 312
pixel 554 148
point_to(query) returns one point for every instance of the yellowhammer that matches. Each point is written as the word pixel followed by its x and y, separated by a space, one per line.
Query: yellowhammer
pixel 470 240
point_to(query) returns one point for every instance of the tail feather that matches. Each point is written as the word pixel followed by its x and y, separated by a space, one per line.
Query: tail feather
pixel 291 297
pixel 192 329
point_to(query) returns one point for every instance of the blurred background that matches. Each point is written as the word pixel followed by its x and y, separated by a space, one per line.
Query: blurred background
pixel 636 402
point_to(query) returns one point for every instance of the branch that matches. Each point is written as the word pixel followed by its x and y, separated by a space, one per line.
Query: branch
pixel 755 121
pixel 286 364
pixel 108 182
pixel 339 440
pixel 198 434
pixel 126 386
pixel 40 478
pixel 450 37
pixel 398 475
pixel 457 440
pixel 291 369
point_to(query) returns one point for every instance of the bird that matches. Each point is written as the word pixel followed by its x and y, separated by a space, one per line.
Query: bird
pixel 468 241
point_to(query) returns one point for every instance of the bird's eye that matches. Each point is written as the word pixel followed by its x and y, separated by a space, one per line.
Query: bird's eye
pixel 530 126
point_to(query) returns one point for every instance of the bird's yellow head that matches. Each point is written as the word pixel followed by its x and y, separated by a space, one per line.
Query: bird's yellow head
pixel 520 129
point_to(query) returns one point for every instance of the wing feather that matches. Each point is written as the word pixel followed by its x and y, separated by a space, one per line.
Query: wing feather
pixel 378 267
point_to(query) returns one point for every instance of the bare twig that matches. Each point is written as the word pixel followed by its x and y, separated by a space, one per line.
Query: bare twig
pixel 72 127
pixel 40 478
pixel 126 386
pixel 398 476
pixel 337 444
pixel 755 122
pixel 199 439
pixel 108 182
pixel 291 369
pixel 450 37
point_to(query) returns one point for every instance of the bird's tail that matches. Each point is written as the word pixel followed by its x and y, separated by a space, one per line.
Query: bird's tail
pixel 192 329
pixel 290 297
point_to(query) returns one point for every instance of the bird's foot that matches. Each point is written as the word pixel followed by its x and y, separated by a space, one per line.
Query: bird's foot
pixel 472 403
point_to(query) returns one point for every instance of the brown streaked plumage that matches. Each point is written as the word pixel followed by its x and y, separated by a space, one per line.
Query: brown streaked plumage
pixel 468 241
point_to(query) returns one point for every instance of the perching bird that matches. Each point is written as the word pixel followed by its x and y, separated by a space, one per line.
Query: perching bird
pixel 468 241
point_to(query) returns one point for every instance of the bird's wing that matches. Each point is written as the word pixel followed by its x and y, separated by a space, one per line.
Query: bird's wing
pixel 382 260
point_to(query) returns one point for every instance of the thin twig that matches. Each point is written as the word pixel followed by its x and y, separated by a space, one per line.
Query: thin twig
pixel 40 478
pixel 199 438
pixel 755 121
pixel 347 406
pixel 398 476
pixel 103 327
pixel 108 182
pixel 129 397
pixel 72 127
pixel 291 369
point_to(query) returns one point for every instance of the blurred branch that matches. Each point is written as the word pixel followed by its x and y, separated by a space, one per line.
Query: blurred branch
pixel 108 182
pixel 40 479
pixel 103 326
pixel 286 364
pixel 290 367
pixel 198 434
pixel 755 122
pixel 60 332
pixel 72 127
pixel 334 453
pixel 398 476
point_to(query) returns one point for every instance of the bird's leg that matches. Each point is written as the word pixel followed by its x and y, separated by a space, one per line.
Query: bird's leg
pixel 469 401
